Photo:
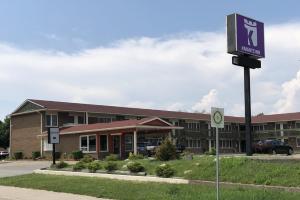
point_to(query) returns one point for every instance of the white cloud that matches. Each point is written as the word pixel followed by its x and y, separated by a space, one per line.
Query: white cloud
pixel 207 101
pixel 166 73
pixel 290 95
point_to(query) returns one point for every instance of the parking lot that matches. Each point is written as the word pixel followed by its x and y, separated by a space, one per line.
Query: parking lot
pixel 14 168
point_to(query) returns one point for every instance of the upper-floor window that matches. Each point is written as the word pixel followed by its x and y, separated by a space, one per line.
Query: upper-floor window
pixel 51 120
pixel 104 119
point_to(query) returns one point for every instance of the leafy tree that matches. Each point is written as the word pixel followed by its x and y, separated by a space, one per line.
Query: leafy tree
pixel 4 132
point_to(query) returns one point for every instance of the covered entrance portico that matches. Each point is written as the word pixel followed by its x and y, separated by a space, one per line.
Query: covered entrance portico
pixel 119 137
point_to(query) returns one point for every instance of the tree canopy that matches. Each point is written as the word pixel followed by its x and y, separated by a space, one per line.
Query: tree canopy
pixel 4 132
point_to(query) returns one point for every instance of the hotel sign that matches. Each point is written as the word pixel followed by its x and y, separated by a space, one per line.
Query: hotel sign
pixel 245 36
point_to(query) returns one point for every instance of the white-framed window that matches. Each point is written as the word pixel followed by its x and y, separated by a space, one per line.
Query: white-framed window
pixel 87 143
pixel 46 145
pixel 225 143
pixel 104 143
pixel 128 142
pixel 193 143
pixel 51 120
pixel 298 142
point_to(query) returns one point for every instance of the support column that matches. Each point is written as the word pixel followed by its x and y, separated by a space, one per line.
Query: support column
pixel 98 145
pixel 86 117
pixel 135 142
pixel 209 136
pixel 281 132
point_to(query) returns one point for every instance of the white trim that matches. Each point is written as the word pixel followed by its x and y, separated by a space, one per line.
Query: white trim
pixel 29 112
pixel 156 118
pixel 88 136
pixel 107 145
pixel 124 127
pixel 24 102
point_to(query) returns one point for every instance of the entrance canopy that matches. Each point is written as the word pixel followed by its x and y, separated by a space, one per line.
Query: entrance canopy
pixel 120 128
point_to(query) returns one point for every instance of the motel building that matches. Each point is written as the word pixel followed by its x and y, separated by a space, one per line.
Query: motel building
pixel 101 130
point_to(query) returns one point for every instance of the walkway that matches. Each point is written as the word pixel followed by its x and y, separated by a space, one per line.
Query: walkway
pixel 14 193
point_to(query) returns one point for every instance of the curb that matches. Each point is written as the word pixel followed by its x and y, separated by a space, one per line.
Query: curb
pixel 116 177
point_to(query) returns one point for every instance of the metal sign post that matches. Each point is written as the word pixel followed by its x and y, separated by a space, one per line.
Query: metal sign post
pixel 217 121
pixel 53 138
pixel 245 38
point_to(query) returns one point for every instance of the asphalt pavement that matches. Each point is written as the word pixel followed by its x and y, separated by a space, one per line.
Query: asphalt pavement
pixel 14 168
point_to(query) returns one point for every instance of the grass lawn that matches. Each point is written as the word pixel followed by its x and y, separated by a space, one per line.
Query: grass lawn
pixel 233 169
pixel 125 190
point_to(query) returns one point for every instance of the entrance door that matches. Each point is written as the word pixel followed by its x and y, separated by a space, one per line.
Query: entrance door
pixel 116 144
pixel 243 146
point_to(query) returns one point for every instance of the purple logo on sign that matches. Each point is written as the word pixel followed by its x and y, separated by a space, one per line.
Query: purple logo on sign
pixel 250 36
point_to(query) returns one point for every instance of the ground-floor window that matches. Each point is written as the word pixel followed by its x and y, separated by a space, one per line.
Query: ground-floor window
pixel 46 145
pixel 103 143
pixel 128 142
pixel 298 142
pixel 225 144
pixel 193 143
pixel 88 143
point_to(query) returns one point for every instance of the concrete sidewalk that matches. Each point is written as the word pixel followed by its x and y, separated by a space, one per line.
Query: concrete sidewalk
pixel 14 193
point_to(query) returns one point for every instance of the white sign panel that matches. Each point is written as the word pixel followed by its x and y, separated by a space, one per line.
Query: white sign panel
pixel 53 135
pixel 217 117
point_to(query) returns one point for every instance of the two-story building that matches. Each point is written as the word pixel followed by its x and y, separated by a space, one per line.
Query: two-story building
pixel 100 130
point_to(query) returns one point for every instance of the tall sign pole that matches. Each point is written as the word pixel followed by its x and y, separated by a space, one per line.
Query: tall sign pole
pixel 217 121
pixel 245 38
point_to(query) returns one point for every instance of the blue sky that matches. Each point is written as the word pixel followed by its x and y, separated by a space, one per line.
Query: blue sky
pixel 74 25
pixel 151 54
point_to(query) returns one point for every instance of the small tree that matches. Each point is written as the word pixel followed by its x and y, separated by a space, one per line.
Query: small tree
pixel 166 151
pixel 4 133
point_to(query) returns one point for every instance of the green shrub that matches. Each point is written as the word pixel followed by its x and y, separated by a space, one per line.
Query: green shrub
pixel 187 155
pixel 112 157
pixel 18 155
pixel 35 155
pixel 135 167
pixel 166 151
pixel 211 152
pixel 87 159
pixel 79 166
pixel 94 166
pixel 59 165
pixel 111 166
pixel 164 170
pixel 77 155
pixel 135 157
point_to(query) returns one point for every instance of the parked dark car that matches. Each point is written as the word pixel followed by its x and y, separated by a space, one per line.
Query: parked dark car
pixel 3 154
pixel 151 148
pixel 272 146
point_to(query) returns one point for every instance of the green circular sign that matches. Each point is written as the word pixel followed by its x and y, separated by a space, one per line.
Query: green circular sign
pixel 218 117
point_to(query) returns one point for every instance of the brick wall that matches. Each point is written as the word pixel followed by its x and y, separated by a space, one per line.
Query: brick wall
pixel 24 133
